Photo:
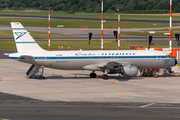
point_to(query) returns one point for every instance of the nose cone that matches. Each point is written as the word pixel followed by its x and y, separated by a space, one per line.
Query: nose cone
pixel 175 62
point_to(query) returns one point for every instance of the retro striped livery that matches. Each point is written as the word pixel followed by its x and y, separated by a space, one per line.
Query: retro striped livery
pixel 125 62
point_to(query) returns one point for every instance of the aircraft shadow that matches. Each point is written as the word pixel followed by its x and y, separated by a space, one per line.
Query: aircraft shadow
pixel 79 77
pixel 61 77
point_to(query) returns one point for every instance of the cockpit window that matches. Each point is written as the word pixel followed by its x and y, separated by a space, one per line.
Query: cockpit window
pixel 169 56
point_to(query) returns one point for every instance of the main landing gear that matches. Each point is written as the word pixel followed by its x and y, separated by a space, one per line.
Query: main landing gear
pixel 93 75
pixel 105 76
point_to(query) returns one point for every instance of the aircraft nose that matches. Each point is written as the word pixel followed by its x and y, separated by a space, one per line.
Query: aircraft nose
pixel 175 62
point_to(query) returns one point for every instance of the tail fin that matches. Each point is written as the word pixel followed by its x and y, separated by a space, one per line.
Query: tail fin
pixel 24 41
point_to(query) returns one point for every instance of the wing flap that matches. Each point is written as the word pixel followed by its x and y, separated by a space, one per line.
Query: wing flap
pixel 110 65
pixel 113 65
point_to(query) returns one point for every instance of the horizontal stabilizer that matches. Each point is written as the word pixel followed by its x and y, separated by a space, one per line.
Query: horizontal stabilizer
pixel 27 57
pixel 6 54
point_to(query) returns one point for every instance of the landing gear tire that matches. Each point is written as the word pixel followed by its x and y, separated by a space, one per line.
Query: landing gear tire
pixel 105 76
pixel 93 75
pixel 155 76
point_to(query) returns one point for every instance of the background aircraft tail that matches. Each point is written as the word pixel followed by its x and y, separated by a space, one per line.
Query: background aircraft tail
pixel 24 41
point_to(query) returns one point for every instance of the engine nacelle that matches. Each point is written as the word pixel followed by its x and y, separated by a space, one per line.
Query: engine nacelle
pixel 130 71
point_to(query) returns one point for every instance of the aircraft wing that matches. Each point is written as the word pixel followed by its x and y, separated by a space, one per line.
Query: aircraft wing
pixel 113 65
pixel 109 65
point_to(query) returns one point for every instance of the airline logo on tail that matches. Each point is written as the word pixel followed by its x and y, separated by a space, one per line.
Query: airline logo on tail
pixel 19 34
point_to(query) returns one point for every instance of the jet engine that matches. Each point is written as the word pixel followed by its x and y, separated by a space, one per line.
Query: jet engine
pixel 129 70
pixel 126 71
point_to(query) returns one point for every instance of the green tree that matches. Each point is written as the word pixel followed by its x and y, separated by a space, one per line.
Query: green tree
pixel 62 7
pixel 81 3
pixel 141 6
pixel 163 5
pixel 36 4
pixel 131 5
pixel 136 6
pixel 74 8
pixel 177 9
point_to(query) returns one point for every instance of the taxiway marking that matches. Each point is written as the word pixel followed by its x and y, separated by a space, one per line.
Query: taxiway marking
pixel 147 105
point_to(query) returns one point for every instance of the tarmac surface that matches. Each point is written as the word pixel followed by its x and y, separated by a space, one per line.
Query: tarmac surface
pixel 63 86
pixel 62 96
pixel 81 31
pixel 21 108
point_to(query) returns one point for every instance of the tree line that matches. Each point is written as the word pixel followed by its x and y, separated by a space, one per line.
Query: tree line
pixel 72 6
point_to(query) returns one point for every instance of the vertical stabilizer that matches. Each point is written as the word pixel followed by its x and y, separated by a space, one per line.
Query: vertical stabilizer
pixel 24 41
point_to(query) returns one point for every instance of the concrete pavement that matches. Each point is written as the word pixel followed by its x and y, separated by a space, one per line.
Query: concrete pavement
pixel 65 87
pixel 74 31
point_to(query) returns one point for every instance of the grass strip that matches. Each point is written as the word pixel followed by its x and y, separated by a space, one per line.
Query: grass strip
pixel 76 23
pixel 95 15
pixel 81 44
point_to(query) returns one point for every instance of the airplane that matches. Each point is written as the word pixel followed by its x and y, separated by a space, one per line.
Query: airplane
pixel 125 62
